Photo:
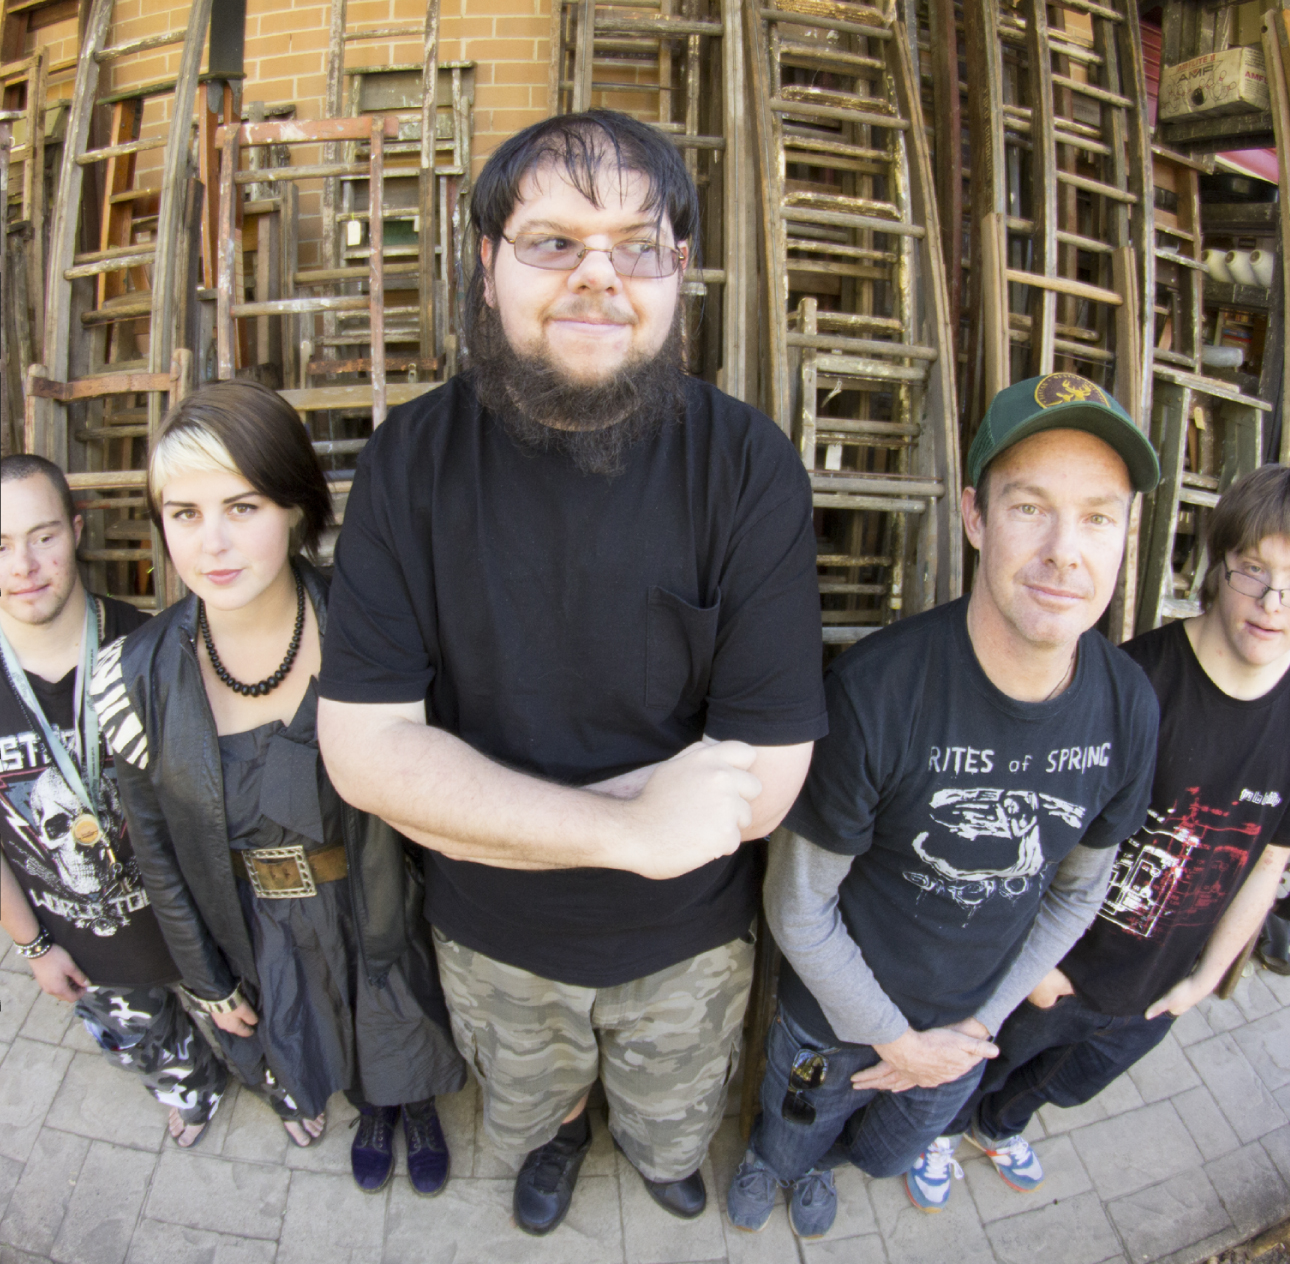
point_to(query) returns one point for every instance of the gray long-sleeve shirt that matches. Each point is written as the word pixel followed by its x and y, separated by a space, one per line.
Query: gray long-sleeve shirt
pixel 801 897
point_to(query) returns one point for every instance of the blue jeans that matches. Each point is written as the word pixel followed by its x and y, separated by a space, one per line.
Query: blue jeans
pixel 1066 1054
pixel 881 1133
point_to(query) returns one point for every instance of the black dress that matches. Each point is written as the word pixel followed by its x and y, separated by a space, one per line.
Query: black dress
pixel 323 1025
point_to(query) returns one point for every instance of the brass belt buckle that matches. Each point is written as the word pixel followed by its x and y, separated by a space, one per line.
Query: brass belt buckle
pixel 305 884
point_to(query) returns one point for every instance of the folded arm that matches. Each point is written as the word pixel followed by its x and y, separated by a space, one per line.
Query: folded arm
pixel 440 792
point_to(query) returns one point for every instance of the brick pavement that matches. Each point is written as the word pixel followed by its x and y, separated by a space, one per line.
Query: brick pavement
pixel 1187 1154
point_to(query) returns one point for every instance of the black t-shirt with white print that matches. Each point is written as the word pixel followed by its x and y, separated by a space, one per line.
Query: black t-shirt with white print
pixel 959 803
pixel 90 899
pixel 1219 797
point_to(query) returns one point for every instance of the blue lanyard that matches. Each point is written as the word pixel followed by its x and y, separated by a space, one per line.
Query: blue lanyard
pixel 89 751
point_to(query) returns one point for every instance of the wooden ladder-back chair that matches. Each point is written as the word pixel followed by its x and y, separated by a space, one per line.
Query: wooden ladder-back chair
pixel 10 392
pixel 427 176
pixel 679 65
pixel 370 395
pixel 860 352
pixel 114 316
pixel 1207 431
pixel 119 533
pixel 1061 191
pixel 35 79
pixel 22 92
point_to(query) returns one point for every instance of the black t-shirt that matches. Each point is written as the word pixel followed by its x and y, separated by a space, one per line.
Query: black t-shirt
pixel 960 803
pixel 1219 797
pixel 575 627
pixel 90 899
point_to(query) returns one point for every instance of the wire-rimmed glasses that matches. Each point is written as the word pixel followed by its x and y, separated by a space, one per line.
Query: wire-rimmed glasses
pixel 1250 586
pixel 639 258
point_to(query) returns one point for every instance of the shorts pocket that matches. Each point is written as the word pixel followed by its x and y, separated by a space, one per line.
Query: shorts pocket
pixel 680 642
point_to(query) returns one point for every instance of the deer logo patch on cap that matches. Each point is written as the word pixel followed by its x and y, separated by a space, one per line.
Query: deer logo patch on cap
pixel 1067 388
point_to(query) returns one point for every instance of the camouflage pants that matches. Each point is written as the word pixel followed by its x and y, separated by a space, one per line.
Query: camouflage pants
pixel 147 1032
pixel 664 1047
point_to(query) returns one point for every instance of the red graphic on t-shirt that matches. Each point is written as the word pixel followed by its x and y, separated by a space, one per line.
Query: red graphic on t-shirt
pixel 1179 870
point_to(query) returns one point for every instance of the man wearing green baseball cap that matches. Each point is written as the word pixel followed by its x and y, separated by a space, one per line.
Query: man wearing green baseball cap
pixel 1061 401
pixel 957 829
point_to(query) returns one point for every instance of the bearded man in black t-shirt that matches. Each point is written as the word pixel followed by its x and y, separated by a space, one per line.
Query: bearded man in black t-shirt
pixel 1192 887
pixel 956 832
pixel 70 894
pixel 574 651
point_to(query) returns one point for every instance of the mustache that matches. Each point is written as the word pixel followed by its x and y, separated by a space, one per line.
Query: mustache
pixel 594 426
pixel 583 309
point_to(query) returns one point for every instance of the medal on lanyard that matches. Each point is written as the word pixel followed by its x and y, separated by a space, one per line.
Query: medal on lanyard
pixel 86 829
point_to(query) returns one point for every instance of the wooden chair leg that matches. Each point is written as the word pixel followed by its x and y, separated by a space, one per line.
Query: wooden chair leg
pixel 761 1009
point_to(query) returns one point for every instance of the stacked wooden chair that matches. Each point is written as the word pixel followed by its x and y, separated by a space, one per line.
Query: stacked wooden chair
pixel 24 81
pixel 371 395
pixel 10 391
pixel 425 197
pixel 678 65
pixel 1061 193
pixel 1207 431
pixel 114 315
pixel 860 353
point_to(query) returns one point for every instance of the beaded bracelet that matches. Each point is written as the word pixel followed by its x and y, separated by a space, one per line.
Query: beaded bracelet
pixel 38 947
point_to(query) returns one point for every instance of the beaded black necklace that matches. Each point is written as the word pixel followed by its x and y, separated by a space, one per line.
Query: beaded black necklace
pixel 269 683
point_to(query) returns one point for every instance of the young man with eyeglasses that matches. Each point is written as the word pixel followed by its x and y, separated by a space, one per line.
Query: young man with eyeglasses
pixel 70 893
pixel 957 829
pixel 1192 887
pixel 574 652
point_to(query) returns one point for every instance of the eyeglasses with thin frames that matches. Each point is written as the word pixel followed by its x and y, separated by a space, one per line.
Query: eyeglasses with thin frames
pixel 640 259
pixel 1249 586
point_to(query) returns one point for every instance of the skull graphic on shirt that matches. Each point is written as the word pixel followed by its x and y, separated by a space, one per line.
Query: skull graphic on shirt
pixel 84 870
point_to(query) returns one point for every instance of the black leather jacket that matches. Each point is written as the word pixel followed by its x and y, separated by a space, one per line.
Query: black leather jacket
pixel 155 715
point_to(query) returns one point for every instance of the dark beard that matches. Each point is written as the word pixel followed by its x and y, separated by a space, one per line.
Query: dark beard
pixel 594 426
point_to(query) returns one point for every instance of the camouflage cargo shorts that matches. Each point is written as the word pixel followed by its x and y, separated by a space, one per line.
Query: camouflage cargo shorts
pixel 665 1048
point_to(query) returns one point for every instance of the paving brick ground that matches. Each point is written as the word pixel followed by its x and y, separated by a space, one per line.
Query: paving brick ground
pixel 1184 1156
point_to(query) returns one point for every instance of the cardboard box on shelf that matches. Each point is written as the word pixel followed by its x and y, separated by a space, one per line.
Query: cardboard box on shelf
pixel 1231 82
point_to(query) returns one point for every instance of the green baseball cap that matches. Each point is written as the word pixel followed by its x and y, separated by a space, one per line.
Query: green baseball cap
pixel 1061 401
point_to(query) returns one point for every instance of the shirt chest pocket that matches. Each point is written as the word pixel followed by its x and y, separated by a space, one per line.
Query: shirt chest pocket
pixel 680 642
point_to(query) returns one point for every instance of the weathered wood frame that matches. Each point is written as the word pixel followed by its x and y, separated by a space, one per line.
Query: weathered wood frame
pixel 1117 335
pixel 583 32
pixel 374 130
pixel 171 386
pixel 908 353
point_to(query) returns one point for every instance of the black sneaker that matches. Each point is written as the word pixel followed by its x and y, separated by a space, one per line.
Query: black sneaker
pixel 372 1154
pixel 544 1186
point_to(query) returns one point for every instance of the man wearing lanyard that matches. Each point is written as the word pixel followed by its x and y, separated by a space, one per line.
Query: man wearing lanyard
pixel 70 894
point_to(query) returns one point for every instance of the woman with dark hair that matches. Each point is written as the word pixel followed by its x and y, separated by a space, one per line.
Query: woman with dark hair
pixel 294 918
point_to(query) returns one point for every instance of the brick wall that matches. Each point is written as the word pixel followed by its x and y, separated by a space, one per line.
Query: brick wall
pixel 286 56
pixel 286 51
